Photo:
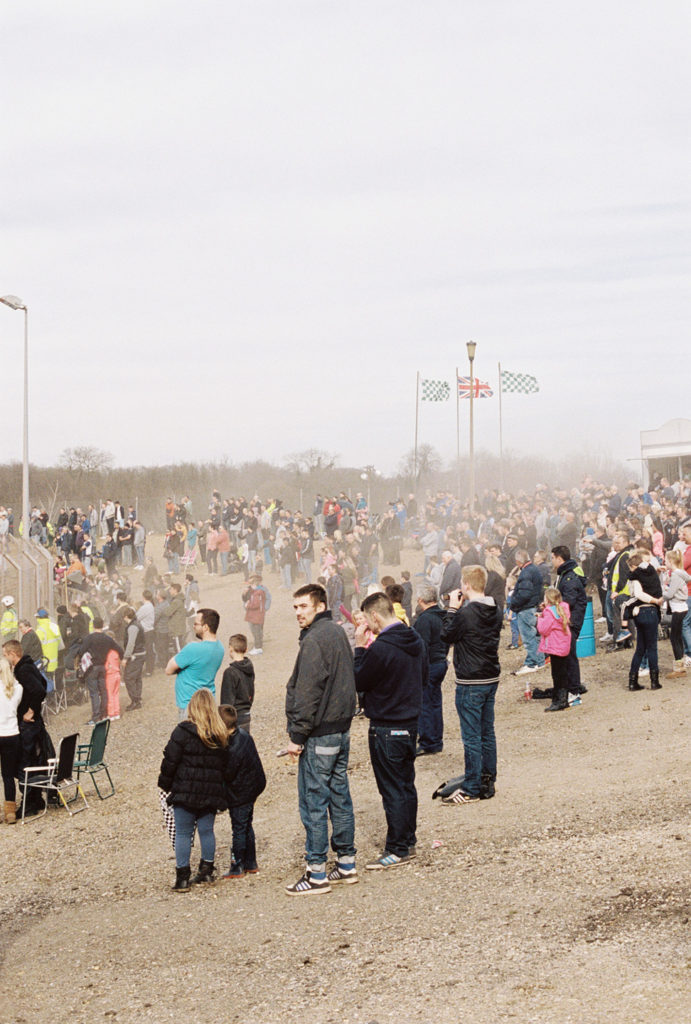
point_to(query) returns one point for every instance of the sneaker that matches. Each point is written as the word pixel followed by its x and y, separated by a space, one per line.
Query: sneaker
pixel 644 671
pixel 687 661
pixel 600 620
pixel 387 860
pixel 257 650
pixel 575 700
pixel 624 635
pixel 91 722
pixel 460 797
pixel 114 718
pixel 512 647
pixel 607 638
pixel 308 886
pixel 341 875
pixel 524 670
pixel 422 751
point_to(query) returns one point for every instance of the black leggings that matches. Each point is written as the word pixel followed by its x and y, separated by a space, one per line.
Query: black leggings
pixel 676 635
pixel 10 747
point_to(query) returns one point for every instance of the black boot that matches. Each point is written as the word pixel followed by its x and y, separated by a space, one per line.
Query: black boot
pixel 655 683
pixel 560 701
pixel 487 786
pixel 205 872
pixel 182 880
pixel 633 680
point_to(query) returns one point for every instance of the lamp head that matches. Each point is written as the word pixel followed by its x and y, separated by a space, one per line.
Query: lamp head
pixel 471 346
pixel 13 301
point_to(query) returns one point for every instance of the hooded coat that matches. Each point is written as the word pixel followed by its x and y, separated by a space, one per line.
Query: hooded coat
pixel 194 774
pixel 237 686
pixel 391 673
pixel 474 630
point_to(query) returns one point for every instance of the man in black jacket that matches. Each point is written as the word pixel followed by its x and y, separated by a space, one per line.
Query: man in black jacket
pixel 428 624
pixel 571 586
pixel 320 704
pixel 392 673
pixel 31 727
pixel 473 626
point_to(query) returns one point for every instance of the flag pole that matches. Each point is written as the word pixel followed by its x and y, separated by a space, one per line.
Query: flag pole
pixel 501 440
pixel 417 410
pixel 458 439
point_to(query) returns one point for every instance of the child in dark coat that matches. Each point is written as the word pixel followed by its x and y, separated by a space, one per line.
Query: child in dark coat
pixel 245 781
pixel 237 687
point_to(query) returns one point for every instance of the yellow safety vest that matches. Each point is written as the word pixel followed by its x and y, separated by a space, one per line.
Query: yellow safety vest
pixel 615 575
pixel 49 634
pixel 9 624
pixel 90 616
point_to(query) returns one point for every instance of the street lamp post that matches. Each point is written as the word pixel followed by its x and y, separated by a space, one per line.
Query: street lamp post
pixel 15 303
pixel 471 346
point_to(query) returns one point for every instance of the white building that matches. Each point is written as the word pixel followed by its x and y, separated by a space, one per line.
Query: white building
pixel 666 451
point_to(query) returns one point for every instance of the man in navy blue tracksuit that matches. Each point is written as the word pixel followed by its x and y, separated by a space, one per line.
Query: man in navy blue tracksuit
pixel 391 673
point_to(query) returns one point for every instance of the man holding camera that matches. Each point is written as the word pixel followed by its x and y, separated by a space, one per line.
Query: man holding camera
pixel 473 626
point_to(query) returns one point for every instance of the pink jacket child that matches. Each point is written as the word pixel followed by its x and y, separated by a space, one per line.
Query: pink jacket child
pixel 553 639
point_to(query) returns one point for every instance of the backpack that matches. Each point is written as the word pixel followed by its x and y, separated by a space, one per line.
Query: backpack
pixel 267 596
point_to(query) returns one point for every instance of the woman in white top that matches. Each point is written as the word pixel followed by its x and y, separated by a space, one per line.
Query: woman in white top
pixel 10 696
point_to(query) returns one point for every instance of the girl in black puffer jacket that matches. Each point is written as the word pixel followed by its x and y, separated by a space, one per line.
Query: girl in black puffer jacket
pixel 193 772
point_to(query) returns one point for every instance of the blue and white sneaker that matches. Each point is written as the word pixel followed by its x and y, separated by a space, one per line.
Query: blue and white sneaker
pixel 387 860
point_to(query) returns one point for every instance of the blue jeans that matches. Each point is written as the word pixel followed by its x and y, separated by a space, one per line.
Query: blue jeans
pixel 224 562
pixel 431 721
pixel 392 752
pixel 686 629
pixel 306 569
pixel 323 792
pixel 646 638
pixel 243 851
pixel 185 822
pixel 287 575
pixel 526 620
pixel 475 706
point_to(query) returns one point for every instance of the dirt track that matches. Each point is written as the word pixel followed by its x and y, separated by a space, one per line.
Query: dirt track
pixel 563 899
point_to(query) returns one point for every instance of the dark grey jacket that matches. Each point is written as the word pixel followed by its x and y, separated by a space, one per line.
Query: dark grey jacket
pixel 320 695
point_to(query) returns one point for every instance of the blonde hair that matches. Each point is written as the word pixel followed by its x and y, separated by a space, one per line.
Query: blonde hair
pixel 494 564
pixel 674 558
pixel 475 576
pixel 553 598
pixel 7 677
pixel 211 728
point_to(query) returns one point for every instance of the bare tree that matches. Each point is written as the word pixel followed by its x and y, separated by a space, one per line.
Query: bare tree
pixel 429 462
pixel 85 459
pixel 311 460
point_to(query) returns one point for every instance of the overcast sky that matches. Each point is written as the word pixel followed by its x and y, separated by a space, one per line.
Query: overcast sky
pixel 242 228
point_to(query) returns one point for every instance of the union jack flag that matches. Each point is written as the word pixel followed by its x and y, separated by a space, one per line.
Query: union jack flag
pixel 480 388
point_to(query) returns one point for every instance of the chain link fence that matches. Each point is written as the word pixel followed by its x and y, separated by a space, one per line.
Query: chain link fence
pixel 26 573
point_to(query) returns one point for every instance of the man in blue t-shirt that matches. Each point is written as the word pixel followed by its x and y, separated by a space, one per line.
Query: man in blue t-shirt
pixel 196 665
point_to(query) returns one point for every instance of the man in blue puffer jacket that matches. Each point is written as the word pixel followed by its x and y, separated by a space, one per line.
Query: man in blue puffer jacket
pixel 526 597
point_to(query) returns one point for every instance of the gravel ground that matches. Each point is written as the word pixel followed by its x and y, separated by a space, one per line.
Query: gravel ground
pixel 563 899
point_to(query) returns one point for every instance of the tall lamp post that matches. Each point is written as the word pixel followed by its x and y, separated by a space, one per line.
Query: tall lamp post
pixel 471 346
pixel 15 303
pixel 367 474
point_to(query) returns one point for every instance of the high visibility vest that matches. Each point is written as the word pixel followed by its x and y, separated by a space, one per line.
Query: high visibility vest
pixel 9 624
pixel 49 634
pixel 615 574
pixel 90 616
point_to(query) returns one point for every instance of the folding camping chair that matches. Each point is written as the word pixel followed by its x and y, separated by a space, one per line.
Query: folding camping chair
pixel 56 777
pixel 91 756
pixel 189 559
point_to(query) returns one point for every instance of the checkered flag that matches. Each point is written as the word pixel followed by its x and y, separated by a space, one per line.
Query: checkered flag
pixel 521 382
pixel 435 390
